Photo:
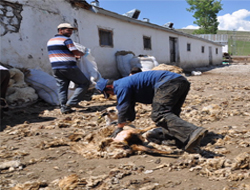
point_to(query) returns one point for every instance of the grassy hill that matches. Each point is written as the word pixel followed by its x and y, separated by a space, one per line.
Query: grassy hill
pixel 238 41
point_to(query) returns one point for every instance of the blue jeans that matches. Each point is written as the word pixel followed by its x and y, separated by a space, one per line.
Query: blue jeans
pixel 166 108
pixel 63 78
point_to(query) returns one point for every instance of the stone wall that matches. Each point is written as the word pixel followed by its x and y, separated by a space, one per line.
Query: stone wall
pixel 10 17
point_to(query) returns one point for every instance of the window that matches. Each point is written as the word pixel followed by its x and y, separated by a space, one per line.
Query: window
pixel 106 37
pixel 188 47
pixel 216 50
pixel 202 49
pixel 147 42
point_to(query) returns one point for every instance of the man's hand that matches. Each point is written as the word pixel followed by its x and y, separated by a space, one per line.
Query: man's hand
pixel 77 57
pixel 116 131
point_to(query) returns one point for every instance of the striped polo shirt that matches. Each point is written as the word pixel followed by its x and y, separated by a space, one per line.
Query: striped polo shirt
pixel 59 50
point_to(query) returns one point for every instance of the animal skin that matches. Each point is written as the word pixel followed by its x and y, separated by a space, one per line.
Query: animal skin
pixel 153 134
pixel 136 139
pixel 128 142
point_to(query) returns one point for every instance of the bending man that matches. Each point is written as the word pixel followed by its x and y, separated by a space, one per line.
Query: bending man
pixel 166 91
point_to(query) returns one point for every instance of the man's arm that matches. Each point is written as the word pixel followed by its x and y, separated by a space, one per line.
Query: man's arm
pixel 71 46
pixel 125 109
pixel 78 53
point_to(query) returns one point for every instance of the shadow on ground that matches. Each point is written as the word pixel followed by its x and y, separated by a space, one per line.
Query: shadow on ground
pixel 31 113
pixel 211 138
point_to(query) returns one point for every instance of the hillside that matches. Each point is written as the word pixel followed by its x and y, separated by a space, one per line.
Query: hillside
pixel 238 41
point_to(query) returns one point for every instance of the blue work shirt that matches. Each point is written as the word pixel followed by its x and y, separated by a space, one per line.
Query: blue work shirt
pixel 139 87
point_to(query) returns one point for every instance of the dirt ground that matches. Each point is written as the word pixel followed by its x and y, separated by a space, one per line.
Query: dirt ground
pixel 219 100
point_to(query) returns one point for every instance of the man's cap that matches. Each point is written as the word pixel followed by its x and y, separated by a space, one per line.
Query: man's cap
pixel 101 85
pixel 66 25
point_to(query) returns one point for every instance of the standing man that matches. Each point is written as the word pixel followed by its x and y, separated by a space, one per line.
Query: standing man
pixel 166 91
pixel 62 55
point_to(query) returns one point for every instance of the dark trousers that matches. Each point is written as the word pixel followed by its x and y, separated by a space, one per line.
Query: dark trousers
pixel 5 78
pixel 166 109
pixel 63 78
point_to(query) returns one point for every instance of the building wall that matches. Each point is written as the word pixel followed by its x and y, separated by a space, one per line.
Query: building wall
pixel 25 34
pixel 195 57
pixel 26 46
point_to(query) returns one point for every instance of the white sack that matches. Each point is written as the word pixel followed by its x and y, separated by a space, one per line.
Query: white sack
pixel 44 84
pixel 122 60
pixel 88 66
pixel 146 63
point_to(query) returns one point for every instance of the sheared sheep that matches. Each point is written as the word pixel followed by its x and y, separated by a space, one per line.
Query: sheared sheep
pixel 153 134
pixel 129 141
pixel 126 143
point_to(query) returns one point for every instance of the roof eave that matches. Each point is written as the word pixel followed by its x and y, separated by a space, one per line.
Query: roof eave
pixel 148 24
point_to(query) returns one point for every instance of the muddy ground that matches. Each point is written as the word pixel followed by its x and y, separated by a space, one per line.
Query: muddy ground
pixel 219 100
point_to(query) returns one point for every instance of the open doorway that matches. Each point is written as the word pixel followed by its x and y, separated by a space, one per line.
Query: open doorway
pixel 210 56
pixel 174 51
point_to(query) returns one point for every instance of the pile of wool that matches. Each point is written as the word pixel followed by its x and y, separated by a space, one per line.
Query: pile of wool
pixel 19 93
pixel 171 68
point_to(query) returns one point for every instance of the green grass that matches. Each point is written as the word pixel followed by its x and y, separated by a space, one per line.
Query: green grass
pixel 242 47
pixel 238 41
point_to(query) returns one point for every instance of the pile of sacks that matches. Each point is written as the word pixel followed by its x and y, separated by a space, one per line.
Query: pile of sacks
pixel 126 60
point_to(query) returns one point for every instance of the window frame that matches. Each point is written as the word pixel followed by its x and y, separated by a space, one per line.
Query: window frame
pixel 147 45
pixel 202 49
pixel 188 46
pixel 108 42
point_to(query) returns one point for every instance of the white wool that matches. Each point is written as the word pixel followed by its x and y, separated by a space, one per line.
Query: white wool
pixel 8 164
pixel 17 77
pixel 19 92
pixel 19 96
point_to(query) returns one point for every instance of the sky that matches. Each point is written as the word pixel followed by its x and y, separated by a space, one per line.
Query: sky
pixel 234 16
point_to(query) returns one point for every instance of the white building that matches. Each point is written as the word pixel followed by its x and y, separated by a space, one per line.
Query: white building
pixel 27 25
pixel 218 38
